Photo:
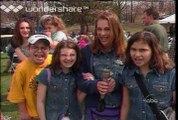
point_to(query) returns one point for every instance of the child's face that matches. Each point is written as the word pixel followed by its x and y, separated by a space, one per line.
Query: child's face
pixel 141 54
pixel 38 52
pixel 67 58
pixel 50 28
pixel 24 29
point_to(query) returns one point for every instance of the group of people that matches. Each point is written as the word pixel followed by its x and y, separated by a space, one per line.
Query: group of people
pixel 57 76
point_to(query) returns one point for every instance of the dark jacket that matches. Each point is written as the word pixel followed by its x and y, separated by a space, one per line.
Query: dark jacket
pixel 112 99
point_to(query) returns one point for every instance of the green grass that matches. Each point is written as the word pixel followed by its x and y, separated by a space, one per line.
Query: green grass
pixel 128 27
pixel 8 109
pixel 133 28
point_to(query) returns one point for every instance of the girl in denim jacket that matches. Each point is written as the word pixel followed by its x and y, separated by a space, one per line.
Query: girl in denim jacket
pixel 145 57
pixel 105 52
pixel 57 97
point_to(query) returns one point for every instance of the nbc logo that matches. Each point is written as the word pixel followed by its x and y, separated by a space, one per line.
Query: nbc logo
pixel 11 8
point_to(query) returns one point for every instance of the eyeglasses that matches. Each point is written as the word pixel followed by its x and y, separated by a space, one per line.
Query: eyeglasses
pixel 35 48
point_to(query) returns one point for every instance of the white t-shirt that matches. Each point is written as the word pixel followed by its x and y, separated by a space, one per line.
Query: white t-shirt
pixel 59 36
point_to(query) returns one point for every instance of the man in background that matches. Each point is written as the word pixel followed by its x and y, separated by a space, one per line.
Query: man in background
pixel 151 21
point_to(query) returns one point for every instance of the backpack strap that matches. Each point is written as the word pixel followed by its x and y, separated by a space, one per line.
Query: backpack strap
pixel 49 75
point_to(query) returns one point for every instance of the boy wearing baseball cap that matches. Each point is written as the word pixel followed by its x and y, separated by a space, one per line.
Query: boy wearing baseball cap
pixel 23 87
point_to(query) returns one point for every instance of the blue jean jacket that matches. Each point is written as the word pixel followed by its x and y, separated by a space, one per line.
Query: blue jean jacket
pixel 95 63
pixel 61 96
pixel 160 86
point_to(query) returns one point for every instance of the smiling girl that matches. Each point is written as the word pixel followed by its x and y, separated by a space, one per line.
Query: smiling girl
pixel 105 52
pixel 23 29
pixel 57 94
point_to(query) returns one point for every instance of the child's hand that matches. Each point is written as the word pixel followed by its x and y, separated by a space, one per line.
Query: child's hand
pixel 47 33
pixel 88 76
pixel 54 44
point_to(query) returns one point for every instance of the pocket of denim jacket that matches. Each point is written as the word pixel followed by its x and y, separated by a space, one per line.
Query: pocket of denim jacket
pixel 131 84
pixel 55 87
pixel 161 86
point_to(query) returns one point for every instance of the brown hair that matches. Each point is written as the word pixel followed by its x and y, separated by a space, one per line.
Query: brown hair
pixel 17 37
pixel 116 31
pixel 56 55
pixel 152 12
pixel 159 60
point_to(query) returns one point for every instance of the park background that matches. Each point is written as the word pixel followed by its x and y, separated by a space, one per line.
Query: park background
pixel 79 17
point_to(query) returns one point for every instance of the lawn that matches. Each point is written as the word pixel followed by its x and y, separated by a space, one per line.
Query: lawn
pixel 132 28
pixel 128 27
pixel 9 110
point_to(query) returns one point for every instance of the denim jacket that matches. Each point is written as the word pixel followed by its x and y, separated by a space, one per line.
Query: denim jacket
pixel 160 86
pixel 95 63
pixel 61 96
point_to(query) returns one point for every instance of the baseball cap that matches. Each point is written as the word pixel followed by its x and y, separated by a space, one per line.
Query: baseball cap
pixel 34 38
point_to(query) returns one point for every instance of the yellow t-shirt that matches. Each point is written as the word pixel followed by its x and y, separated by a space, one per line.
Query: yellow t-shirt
pixel 23 86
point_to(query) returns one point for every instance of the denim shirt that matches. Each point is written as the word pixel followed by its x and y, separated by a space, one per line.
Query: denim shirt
pixel 95 63
pixel 61 95
pixel 109 61
pixel 160 86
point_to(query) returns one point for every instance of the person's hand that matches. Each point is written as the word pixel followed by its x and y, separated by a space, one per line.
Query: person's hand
pixel 112 84
pixel 88 76
pixel 54 44
pixel 47 33
pixel 103 87
pixel 24 116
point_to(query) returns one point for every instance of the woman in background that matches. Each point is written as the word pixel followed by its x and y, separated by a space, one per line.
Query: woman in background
pixel 17 49
pixel 23 29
